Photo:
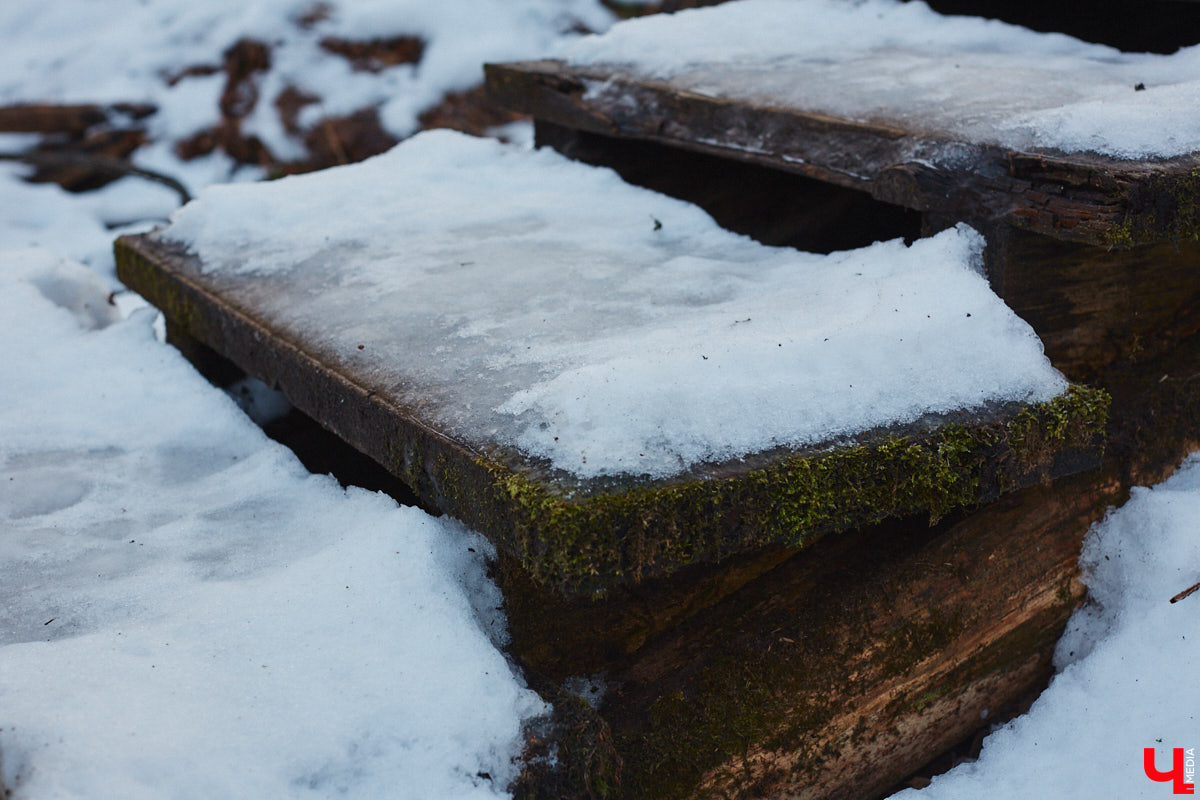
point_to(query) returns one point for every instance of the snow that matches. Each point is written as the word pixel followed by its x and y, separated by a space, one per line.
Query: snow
pixel 186 612
pixel 1127 664
pixel 124 51
pixel 897 63
pixel 220 652
pixel 655 340
pixel 45 214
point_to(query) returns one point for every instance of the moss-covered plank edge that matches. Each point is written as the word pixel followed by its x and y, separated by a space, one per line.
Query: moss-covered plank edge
pixel 1162 208
pixel 583 545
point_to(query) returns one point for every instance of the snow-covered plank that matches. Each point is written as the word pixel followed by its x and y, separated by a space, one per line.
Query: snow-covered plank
pixel 956 116
pixel 600 378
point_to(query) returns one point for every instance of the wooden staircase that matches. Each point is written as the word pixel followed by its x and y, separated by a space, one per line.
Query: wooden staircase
pixel 749 651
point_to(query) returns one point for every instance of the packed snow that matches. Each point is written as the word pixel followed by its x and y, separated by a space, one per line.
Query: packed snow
pixel 185 611
pixel 653 341
pixel 887 61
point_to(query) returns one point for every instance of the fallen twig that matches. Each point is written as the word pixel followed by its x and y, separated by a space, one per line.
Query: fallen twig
pixel 1185 593
pixel 113 166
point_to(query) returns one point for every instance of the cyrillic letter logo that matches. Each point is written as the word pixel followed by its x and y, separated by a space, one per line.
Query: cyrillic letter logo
pixel 1176 775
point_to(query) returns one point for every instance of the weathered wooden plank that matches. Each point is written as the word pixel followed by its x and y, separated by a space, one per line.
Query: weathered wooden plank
pixel 583 536
pixel 863 657
pixel 1079 197
pixel 773 206
pixel 1095 307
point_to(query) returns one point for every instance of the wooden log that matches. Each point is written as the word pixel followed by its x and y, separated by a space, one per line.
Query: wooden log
pixel 840 672
pixel 900 635
pixel 1095 307
pixel 45 118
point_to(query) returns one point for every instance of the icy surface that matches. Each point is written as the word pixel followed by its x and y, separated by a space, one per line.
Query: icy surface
pixel 137 51
pixel 1128 667
pixel 186 612
pixel 901 63
pixel 521 298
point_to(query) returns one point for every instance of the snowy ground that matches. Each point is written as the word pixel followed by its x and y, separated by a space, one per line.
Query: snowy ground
pixel 186 612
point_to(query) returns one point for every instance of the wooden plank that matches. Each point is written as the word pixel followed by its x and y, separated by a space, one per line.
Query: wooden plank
pixel 1097 307
pixel 1077 197
pixel 583 536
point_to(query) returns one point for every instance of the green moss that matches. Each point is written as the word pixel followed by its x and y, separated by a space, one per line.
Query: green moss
pixel 1162 208
pixel 160 289
pixel 582 546
pixel 1120 235
pixel 1072 418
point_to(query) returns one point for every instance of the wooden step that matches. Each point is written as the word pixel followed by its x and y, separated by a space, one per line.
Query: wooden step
pixel 1094 248
pixel 377 348
pixel 925 163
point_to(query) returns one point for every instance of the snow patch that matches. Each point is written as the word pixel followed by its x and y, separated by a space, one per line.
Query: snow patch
pixel 186 612
pixel 125 50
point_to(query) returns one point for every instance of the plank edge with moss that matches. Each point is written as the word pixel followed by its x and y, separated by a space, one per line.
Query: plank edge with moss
pixel 584 544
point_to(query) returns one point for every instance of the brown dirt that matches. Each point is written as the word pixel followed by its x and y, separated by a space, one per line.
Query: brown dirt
pixel 376 55
pixel 469 112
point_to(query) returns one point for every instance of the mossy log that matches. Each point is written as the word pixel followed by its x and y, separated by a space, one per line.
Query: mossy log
pixel 582 537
